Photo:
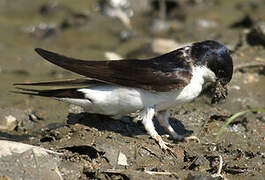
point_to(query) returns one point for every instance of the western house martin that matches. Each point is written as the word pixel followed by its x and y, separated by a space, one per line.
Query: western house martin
pixel 151 86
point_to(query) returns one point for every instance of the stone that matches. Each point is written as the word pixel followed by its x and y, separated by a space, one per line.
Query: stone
pixel 10 118
pixel 122 159
pixel 30 162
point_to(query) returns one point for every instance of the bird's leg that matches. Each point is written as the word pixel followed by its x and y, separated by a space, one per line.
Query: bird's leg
pixel 163 119
pixel 147 119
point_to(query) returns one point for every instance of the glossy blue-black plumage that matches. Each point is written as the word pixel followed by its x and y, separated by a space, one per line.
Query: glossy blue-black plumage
pixel 216 57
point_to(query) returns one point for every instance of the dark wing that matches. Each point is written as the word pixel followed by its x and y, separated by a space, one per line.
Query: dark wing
pixel 163 73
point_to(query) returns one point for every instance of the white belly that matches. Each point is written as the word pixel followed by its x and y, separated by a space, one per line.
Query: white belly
pixel 118 100
pixel 115 100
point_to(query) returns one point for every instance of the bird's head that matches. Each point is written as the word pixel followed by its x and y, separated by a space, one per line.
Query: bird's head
pixel 214 56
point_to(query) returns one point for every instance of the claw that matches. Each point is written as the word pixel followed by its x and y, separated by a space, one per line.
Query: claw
pixel 194 138
pixel 163 118
pixel 172 152
pixel 162 144
pixel 166 147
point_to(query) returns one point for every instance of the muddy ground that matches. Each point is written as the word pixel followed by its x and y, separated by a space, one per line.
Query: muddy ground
pixel 91 144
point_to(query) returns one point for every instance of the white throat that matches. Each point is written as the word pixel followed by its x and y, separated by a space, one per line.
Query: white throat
pixel 200 75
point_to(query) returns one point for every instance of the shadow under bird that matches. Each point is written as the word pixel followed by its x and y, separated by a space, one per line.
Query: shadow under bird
pixel 150 86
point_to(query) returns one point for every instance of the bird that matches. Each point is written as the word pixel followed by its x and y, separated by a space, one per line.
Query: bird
pixel 148 86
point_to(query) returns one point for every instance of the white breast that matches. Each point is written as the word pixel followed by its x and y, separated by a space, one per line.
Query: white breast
pixel 199 75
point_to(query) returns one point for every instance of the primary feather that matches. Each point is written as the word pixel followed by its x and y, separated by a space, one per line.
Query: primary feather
pixel 164 73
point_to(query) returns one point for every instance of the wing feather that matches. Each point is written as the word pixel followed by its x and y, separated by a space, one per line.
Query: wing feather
pixel 163 73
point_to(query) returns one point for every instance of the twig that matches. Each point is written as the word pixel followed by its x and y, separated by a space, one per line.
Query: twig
pixel 136 152
pixel 150 151
pixel 113 171
pixel 173 154
pixel 220 165
pixel 192 162
pixel 119 171
pixel 248 65
pixel 218 174
pixel 160 173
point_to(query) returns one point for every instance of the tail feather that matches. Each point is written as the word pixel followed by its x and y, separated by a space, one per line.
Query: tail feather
pixel 66 82
pixel 56 93
pixel 25 93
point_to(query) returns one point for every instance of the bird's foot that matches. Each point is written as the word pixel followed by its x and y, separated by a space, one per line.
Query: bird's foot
pixel 166 147
pixel 194 138
pixel 187 138
pixel 163 145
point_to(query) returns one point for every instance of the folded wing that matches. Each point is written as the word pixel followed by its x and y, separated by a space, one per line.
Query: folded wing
pixel 164 73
